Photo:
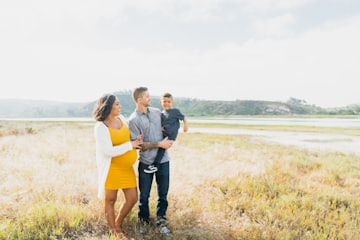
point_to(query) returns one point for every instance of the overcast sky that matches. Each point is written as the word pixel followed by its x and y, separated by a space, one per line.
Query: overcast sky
pixel 71 50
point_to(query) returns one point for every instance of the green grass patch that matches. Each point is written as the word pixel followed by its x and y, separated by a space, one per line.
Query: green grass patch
pixel 46 221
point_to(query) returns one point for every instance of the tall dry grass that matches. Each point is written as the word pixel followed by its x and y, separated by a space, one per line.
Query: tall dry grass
pixel 222 187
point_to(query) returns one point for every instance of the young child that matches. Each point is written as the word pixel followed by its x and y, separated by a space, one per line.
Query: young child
pixel 170 121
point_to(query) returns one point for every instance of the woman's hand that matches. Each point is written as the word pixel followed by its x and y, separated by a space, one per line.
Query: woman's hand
pixel 138 142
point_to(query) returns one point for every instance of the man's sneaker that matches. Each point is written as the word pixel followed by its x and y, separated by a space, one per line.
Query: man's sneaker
pixel 150 169
pixel 163 229
pixel 161 221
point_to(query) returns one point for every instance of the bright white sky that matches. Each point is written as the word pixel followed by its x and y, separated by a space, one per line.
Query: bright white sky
pixel 272 50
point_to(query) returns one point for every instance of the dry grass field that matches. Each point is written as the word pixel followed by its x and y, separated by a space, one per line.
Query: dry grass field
pixel 222 187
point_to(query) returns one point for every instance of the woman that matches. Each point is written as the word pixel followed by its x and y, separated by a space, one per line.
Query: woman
pixel 115 156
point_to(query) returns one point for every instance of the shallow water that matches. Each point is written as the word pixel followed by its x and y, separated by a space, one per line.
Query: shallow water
pixel 314 141
pixel 319 122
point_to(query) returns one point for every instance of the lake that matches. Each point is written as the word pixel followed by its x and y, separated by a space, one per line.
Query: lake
pixel 310 140
pixel 315 141
pixel 320 122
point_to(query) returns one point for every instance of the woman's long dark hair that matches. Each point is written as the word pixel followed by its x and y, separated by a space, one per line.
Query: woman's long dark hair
pixel 103 107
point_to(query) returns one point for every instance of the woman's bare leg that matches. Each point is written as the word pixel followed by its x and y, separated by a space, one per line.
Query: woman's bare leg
pixel 110 199
pixel 131 197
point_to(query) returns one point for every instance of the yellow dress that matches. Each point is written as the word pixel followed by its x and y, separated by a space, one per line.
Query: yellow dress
pixel 121 173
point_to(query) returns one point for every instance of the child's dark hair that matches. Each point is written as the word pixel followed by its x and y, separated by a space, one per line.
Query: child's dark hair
pixel 167 95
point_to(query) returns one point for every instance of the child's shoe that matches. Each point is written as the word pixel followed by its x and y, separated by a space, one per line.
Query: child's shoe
pixel 150 169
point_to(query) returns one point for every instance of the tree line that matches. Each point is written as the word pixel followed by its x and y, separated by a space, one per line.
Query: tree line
pixel 193 107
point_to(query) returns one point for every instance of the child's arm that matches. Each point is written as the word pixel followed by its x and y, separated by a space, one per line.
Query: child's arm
pixel 185 127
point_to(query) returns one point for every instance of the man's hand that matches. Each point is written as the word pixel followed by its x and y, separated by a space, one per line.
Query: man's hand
pixel 165 143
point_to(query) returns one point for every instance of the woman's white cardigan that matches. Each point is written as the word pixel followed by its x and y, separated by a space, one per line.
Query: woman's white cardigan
pixel 105 151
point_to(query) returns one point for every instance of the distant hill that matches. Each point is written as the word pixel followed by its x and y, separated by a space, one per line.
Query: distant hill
pixel 18 108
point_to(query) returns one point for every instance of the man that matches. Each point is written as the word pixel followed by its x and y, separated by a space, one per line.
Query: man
pixel 146 121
